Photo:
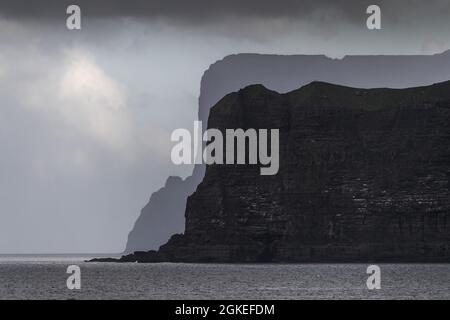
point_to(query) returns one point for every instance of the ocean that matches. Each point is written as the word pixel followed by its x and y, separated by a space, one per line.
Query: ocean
pixel 45 278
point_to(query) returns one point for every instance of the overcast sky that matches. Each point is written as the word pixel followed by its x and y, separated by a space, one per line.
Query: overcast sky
pixel 86 116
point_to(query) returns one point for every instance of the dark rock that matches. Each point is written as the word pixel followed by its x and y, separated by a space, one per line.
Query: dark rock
pixel 363 177
pixel 164 214
pixel 104 260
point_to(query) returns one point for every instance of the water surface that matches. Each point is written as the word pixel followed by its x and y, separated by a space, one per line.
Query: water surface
pixel 45 278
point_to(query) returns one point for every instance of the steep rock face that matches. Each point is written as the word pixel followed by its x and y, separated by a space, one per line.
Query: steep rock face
pixel 160 218
pixel 364 175
pixel 281 73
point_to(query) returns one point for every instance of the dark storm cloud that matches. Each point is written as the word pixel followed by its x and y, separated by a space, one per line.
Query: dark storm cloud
pixel 169 8
pixel 197 11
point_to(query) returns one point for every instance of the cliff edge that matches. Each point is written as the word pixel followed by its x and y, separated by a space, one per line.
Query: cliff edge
pixel 164 214
pixel 364 176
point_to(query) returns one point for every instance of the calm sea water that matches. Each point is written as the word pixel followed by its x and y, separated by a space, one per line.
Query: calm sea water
pixel 45 278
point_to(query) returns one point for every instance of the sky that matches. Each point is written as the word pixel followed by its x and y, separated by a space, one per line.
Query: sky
pixel 86 115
